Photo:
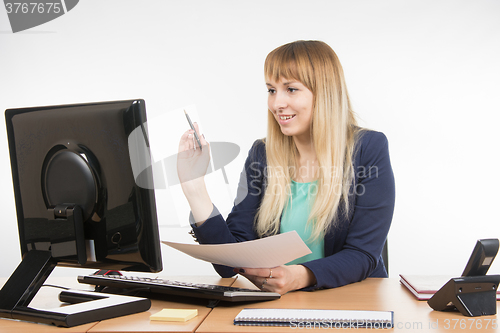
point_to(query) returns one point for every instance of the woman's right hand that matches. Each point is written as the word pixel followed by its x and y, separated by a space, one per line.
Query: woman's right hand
pixel 192 162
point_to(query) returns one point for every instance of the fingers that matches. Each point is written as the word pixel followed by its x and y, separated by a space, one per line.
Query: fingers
pixel 263 285
pixel 188 139
pixel 260 282
pixel 260 272
pixel 262 278
pixel 200 136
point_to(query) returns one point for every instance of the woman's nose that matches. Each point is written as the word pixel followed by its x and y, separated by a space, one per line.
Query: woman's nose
pixel 278 102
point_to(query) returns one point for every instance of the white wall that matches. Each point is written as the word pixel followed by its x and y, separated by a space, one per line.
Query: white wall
pixel 426 73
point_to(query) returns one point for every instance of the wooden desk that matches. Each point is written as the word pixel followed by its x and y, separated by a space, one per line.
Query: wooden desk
pixel 410 315
pixel 47 298
pixel 140 322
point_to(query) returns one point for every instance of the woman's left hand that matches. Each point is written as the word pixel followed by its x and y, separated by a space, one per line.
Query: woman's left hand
pixel 281 279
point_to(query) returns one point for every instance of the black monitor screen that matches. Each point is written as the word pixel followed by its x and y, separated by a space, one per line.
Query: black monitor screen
pixel 75 189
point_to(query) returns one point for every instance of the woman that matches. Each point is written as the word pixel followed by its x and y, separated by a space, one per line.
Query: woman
pixel 316 172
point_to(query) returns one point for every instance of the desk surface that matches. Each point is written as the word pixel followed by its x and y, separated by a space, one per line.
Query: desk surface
pixel 47 298
pixel 410 315
pixel 140 322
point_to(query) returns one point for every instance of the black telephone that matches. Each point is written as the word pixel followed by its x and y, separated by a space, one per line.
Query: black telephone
pixel 474 293
pixel 481 258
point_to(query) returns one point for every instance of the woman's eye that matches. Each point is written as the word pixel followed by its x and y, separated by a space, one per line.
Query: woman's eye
pixel 271 91
pixel 290 89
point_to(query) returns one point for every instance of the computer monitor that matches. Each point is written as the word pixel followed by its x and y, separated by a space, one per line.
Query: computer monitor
pixel 77 201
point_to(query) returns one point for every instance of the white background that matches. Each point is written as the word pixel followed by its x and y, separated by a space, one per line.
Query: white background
pixel 426 73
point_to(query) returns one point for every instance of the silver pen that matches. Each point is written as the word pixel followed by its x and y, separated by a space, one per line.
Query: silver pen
pixel 192 127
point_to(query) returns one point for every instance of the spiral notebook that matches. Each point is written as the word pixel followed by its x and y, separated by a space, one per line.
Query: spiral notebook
pixel 310 318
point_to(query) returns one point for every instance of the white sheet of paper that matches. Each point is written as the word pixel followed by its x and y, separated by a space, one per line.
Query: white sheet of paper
pixel 265 252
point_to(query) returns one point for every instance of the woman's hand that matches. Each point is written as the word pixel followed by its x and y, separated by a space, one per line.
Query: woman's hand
pixel 192 162
pixel 192 165
pixel 280 279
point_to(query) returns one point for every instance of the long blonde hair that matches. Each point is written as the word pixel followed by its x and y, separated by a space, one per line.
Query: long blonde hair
pixel 334 130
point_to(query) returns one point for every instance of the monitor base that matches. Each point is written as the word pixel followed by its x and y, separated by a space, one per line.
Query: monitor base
pixel 86 306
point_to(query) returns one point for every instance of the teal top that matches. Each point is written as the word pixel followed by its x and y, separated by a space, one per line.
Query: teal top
pixel 295 217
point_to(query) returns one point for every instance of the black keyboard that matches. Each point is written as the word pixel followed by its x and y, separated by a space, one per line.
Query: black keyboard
pixel 160 286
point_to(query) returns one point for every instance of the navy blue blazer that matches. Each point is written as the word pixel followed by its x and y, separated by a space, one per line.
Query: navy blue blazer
pixel 353 248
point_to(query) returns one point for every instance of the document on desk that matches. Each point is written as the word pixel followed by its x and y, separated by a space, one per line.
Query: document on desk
pixel 265 252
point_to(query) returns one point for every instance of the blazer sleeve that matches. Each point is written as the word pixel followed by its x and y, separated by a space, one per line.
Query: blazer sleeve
pixel 363 236
pixel 239 225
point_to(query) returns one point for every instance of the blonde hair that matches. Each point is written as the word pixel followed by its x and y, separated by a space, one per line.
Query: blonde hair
pixel 334 130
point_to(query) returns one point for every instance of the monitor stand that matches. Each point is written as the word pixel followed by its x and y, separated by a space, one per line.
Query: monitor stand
pixel 86 306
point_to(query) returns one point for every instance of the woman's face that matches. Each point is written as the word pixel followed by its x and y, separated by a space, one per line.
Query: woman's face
pixel 291 104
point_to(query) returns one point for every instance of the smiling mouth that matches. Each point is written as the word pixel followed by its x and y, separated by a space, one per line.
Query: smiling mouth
pixel 286 117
